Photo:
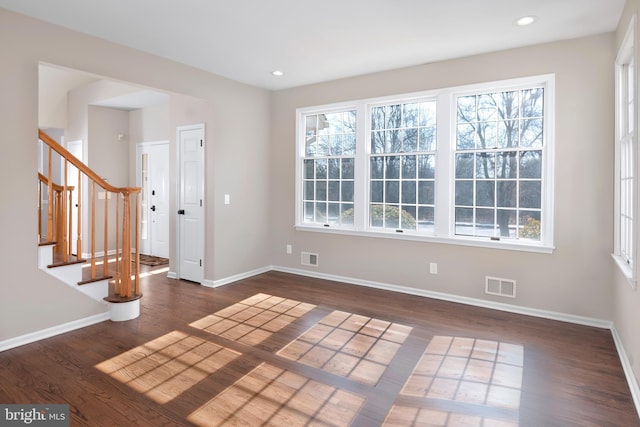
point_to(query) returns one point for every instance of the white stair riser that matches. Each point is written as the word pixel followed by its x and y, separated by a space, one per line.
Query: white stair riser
pixel 69 274
pixel 45 256
pixel 96 290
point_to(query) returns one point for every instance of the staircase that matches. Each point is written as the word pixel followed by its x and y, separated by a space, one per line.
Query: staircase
pixel 110 220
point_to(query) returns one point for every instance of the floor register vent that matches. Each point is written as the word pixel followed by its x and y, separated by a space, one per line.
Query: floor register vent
pixel 500 287
pixel 309 259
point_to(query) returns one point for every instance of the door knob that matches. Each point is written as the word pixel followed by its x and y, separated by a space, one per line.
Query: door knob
pixel 153 208
pixel 181 212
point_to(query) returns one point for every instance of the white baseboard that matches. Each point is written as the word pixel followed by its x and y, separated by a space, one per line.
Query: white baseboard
pixel 545 314
pixel 52 331
pixel 172 275
pixel 235 278
pixel 99 254
pixel 628 370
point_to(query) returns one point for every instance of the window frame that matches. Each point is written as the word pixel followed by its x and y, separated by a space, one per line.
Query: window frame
pixel 625 140
pixel 444 214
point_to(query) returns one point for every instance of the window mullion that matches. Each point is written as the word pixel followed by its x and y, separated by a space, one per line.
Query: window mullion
pixel 445 161
pixel 361 182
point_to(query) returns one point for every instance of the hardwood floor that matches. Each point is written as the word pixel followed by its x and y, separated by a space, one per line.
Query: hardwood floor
pixel 283 350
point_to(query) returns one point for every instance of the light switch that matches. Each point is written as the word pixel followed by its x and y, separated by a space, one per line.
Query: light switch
pixel 227 199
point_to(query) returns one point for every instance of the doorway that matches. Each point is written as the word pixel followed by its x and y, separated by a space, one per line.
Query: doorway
pixel 152 160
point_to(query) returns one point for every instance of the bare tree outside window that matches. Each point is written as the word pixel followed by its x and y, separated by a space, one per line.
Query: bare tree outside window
pixel 328 176
pixel 402 166
pixel 498 186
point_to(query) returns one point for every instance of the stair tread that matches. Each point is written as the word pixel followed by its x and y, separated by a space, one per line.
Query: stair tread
pixel 120 299
pixel 95 279
pixel 59 262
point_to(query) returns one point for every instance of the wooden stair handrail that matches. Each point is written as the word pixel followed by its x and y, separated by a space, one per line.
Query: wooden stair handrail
pixel 59 220
pixel 84 168
pixel 56 187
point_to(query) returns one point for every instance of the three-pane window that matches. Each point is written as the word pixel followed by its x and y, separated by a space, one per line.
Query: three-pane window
pixel 471 164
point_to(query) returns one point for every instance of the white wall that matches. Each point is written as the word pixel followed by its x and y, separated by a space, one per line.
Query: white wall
pixel 575 279
pixel 626 300
pixel 31 299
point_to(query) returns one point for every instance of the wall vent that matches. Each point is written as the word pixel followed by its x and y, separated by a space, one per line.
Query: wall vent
pixel 500 287
pixel 309 259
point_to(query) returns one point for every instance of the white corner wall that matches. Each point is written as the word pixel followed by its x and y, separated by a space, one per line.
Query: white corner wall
pixel 235 162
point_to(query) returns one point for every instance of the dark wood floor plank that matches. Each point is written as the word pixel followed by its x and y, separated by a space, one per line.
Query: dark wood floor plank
pixel 343 354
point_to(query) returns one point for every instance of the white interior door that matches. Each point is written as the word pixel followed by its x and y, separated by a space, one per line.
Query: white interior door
pixel 191 202
pixel 153 177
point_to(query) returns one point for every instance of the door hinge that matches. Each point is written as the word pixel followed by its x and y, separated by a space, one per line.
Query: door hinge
pixel 200 143
pixel 200 202
pixel 200 263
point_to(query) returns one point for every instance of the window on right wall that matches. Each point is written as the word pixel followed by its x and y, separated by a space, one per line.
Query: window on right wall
pixel 625 244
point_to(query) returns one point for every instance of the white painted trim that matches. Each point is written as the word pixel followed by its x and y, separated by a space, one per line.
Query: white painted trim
pixel 99 254
pixel 172 275
pixel 52 331
pixel 510 308
pixel 626 366
pixel 236 277
pixel 123 311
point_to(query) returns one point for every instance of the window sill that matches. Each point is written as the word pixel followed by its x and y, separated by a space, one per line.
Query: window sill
pixel 462 241
pixel 626 271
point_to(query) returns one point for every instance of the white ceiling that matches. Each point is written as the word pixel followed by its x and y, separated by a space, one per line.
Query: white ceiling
pixel 315 41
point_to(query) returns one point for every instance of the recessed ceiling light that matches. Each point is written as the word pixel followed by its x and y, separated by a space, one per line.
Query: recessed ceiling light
pixel 278 73
pixel 526 20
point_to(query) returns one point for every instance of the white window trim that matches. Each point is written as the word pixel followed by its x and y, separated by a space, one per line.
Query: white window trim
pixel 627 52
pixel 445 164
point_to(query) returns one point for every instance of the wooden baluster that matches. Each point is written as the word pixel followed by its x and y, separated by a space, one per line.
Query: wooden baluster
pixel 93 229
pixel 50 198
pixel 79 215
pixel 118 278
pixel 57 213
pixel 137 245
pixel 105 263
pixel 126 249
pixel 62 219
pixel 69 248
pixel 39 211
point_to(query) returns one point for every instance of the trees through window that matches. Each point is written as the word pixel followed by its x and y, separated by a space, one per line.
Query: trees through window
pixel 472 164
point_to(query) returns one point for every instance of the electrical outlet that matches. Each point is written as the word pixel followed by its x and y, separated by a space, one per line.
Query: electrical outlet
pixel 289 249
pixel 433 268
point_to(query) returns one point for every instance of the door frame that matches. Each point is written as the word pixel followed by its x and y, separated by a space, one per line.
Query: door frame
pixel 178 225
pixel 140 149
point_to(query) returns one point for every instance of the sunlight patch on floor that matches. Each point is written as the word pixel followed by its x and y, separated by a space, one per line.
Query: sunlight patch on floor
pixel 464 370
pixel 269 395
pixel 254 319
pixel 166 367
pixel 353 346
pixel 154 271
